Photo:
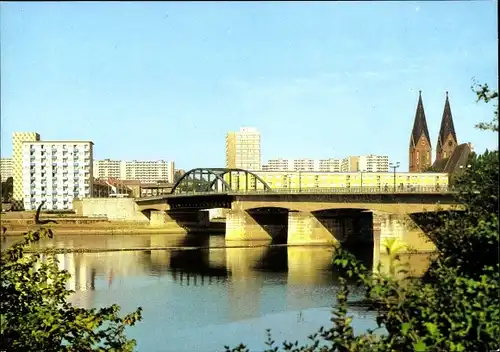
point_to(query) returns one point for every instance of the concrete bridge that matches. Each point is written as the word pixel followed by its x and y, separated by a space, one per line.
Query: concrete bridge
pixel 324 216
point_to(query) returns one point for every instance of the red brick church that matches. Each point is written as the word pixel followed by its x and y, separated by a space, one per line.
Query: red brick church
pixel 448 153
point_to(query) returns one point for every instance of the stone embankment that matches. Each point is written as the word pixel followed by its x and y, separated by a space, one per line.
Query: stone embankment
pixel 18 223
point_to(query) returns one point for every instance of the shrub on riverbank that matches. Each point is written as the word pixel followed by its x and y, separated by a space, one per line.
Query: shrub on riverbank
pixel 457 306
pixel 35 314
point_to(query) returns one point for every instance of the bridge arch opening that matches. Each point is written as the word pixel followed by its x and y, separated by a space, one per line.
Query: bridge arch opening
pixel 352 228
pixel 219 180
pixel 273 220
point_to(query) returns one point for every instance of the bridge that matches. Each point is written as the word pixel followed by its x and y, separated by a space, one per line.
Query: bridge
pixel 255 211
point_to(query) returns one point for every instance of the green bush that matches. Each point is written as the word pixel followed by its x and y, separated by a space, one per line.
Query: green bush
pixel 35 314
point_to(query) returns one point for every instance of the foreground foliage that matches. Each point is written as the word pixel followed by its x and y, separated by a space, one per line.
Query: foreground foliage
pixel 35 314
pixel 457 306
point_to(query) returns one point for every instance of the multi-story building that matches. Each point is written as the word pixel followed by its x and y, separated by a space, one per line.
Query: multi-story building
pixel 303 180
pixel 278 165
pixel 329 165
pixel 374 163
pixel 136 170
pixel 243 149
pixel 365 163
pixel 324 165
pixel 56 172
pixel 350 164
pixel 17 165
pixel 149 171
pixel 5 168
pixel 108 168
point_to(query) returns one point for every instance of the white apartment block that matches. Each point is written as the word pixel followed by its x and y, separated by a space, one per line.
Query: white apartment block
pixel 149 171
pixel 108 168
pixel 57 172
pixel 243 149
pixel 377 163
pixel 5 168
pixel 322 165
pixel 143 171
pixel 367 163
pixel 330 165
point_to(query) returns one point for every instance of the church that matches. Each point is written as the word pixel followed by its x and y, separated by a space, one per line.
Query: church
pixel 450 156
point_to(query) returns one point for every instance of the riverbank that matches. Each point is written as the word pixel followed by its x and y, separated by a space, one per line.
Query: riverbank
pixel 106 228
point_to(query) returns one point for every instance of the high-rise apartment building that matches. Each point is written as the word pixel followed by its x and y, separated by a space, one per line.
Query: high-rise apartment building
pixel 322 165
pixel 17 165
pixel 138 170
pixel 330 165
pixel 108 168
pixel 350 164
pixel 5 168
pixel 56 172
pixel 243 149
pixel 150 171
pixel 374 163
pixel 278 165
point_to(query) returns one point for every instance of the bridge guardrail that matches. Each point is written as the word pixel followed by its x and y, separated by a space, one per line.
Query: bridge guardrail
pixel 324 190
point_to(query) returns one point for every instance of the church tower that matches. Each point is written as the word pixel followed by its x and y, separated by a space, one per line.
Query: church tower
pixel 420 143
pixel 447 139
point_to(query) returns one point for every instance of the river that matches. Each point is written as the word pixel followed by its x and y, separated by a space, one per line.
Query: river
pixel 199 295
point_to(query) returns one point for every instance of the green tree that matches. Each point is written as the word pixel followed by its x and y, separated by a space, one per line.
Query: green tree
pixel 457 308
pixel 484 93
pixel 36 316
pixel 7 189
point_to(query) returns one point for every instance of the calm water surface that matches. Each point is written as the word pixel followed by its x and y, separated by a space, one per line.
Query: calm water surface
pixel 200 295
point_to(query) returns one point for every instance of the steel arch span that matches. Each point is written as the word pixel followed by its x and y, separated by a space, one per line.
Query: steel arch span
pixel 219 180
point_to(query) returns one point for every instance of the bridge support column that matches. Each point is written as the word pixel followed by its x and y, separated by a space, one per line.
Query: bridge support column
pixel 160 218
pixel 240 226
pixel 304 228
pixel 401 229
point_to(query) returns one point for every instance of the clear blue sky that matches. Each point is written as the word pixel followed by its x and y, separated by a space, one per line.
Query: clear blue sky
pixel 168 80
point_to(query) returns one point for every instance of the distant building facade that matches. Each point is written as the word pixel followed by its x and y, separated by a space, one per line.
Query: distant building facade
pixel 365 163
pixel 243 149
pixel 108 168
pixel 149 171
pixel 56 172
pixel 5 168
pixel 146 171
pixel 323 165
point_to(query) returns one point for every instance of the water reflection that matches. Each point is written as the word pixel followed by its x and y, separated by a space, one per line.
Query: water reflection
pixel 201 290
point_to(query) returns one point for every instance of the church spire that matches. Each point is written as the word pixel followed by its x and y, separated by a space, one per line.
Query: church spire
pixel 420 142
pixel 447 138
pixel 420 124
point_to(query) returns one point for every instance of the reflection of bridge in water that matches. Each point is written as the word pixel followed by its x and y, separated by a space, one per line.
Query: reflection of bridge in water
pixel 245 273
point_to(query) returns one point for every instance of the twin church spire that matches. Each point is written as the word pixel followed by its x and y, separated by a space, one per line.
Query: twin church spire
pixel 420 142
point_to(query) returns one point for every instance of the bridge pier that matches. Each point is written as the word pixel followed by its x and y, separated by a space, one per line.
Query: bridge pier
pixel 241 226
pixel 304 228
pixel 179 220
pixel 400 228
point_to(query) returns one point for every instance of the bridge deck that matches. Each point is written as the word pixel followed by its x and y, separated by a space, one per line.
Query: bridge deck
pixel 307 191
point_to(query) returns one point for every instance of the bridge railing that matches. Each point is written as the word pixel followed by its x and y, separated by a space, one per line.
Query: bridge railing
pixel 334 190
